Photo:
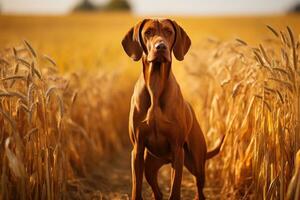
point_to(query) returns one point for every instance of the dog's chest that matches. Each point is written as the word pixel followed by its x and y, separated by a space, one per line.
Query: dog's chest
pixel 158 144
pixel 159 132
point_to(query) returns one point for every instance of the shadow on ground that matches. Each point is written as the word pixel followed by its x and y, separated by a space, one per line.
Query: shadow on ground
pixel 111 180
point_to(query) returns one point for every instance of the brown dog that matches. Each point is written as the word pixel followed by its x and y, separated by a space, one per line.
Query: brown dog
pixel 160 120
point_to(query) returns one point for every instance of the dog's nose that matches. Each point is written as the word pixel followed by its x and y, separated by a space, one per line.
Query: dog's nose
pixel 160 46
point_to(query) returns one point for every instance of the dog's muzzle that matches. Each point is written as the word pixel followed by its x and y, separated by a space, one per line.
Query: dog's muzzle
pixel 159 53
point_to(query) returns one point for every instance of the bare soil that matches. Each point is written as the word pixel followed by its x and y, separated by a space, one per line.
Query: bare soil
pixel 111 180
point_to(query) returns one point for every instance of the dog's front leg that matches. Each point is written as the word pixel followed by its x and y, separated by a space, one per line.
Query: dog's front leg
pixel 137 167
pixel 176 172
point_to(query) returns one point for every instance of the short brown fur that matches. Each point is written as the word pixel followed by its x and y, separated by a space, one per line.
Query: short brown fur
pixel 162 126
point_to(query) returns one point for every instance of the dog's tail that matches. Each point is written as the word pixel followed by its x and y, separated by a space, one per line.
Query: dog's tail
pixel 215 151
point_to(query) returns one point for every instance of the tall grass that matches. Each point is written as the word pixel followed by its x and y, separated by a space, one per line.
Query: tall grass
pixel 252 94
pixel 54 127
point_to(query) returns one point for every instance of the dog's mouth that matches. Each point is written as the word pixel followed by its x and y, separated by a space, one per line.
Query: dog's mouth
pixel 158 60
pixel 158 57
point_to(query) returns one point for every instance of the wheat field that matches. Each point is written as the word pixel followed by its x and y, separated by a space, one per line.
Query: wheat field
pixel 65 86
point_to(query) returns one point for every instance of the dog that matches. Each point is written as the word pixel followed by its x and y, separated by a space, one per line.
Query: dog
pixel 162 126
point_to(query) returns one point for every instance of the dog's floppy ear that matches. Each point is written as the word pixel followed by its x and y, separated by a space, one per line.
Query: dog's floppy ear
pixel 182 42
pixel 131 42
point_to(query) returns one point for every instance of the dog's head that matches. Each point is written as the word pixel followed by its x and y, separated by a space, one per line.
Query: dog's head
pixel 156 39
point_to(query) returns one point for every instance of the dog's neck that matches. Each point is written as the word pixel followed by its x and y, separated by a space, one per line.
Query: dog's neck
pixel 156 76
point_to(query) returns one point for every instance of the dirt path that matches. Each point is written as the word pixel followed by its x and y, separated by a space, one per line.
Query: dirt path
pixel 112 181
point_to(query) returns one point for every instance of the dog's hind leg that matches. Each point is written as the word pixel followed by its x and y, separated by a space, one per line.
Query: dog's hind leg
pixel 200 181
pixel 198 170
pixel 152 165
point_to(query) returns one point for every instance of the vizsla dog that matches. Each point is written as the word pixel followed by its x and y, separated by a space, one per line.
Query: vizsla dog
pixel 162 126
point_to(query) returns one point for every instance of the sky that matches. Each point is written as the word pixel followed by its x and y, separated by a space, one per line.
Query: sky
pixel 157 7
pixel 213 7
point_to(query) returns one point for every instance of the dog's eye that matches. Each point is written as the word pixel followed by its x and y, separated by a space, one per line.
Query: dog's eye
pixel 167 31
pixel 148 32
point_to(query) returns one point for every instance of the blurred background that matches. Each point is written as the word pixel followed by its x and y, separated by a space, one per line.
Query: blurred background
pixel 64 58
pixel 155 7
pixel 99 25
